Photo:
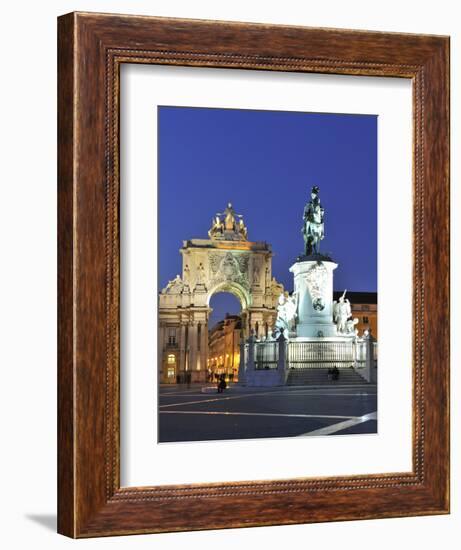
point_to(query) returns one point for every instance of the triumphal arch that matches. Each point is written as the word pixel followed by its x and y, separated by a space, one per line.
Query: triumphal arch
pixel 225 262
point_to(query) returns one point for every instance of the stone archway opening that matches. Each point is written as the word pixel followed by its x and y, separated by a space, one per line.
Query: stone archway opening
pixel 222 304
pixel 225 331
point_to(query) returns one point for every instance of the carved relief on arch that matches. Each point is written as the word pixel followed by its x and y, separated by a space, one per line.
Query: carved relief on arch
pixel 229 267
pixel 243 260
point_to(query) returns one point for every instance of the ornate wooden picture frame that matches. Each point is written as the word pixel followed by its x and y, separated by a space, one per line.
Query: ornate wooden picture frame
pixel 92 48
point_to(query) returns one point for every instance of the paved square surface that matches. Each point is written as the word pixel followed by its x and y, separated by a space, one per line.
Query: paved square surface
pixel 192 414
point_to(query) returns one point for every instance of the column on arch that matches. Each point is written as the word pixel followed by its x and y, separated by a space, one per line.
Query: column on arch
pixel 204 348
pixel 161 351
pixel 192 345
pixel 182 348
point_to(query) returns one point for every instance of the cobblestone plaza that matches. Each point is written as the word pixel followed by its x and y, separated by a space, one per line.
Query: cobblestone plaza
pixel 190 414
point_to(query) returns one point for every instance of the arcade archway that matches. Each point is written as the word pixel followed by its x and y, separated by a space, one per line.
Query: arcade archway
pixel 224 335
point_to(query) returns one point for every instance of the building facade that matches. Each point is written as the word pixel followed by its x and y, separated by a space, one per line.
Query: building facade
pixel 224 348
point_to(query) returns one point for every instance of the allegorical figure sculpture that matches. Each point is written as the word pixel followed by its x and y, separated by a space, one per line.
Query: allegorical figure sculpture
pixel 341 313
pixel 228 225
pixel 286 312
pixel 342 316
pixel 200 274
pixel 217 228
pixel 313 229
pixel 175 286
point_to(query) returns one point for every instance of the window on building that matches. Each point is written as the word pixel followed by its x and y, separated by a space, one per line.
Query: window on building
pixel 172 336
pixel 171 359
pixel 199 335
pixel 170 372
pixel 365 320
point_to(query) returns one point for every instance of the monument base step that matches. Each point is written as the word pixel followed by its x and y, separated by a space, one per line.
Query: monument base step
pixel 318 376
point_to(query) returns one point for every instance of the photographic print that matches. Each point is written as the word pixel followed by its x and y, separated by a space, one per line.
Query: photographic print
pixel 217 286
pixel 267 270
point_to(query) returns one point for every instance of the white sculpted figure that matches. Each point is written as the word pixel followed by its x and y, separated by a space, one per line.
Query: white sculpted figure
pixel 341 313
pixel 200 275
pixel 290 308
pixel 350 326
pixel 175 286
pixel 186 273
pixel 286 312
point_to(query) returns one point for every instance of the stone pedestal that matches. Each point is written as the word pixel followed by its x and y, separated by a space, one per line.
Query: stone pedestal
pixel 313 284
pixel 370 373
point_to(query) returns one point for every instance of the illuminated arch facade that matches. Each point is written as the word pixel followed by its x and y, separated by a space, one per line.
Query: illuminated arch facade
pixel 226 262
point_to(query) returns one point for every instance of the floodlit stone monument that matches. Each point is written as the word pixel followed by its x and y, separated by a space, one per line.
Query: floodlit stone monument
pixel 317 316
pixel 314 335
pixel 313 286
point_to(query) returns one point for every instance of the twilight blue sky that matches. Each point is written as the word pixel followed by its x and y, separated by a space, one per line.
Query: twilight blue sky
pixel 265 163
